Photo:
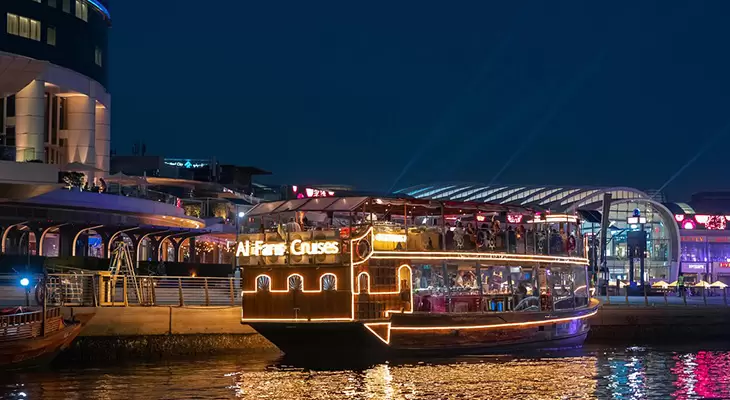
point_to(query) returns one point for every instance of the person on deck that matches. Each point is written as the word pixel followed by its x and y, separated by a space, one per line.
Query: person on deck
pixel 293 226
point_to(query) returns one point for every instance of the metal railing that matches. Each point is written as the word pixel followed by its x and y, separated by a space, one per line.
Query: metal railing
pixel 11 153
pixel 103 290
pixel 168 291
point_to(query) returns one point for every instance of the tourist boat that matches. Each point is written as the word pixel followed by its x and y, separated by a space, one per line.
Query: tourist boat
pixel 382 276
pixel 27 339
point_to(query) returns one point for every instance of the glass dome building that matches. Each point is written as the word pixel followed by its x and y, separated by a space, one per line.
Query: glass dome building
pixel 663 240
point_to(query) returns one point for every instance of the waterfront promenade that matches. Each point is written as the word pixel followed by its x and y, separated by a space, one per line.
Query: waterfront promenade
pixel 166 316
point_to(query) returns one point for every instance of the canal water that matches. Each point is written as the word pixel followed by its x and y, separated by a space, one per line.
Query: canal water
pixel 602 372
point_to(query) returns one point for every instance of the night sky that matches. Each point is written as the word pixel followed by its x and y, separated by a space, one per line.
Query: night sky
pixel 527 92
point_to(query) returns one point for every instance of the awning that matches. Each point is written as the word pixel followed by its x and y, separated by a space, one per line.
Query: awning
pixel 381 205
pixel 592 216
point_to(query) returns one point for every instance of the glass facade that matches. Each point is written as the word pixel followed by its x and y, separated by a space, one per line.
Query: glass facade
pixel 658 259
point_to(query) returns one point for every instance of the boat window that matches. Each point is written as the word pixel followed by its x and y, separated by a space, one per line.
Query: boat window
pixel 263 283
pixel 329 282
pixel 562 286
pixel 296 282
pixel 363 283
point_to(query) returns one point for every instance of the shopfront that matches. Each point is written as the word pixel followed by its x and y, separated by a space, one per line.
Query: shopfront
pixel 693 272
pixel 721 272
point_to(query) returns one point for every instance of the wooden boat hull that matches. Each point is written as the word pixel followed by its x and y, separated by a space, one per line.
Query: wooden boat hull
pixel 431 334
pixel 38 351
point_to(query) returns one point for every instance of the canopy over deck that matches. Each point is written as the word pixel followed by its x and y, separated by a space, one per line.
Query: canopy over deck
pixel 382 205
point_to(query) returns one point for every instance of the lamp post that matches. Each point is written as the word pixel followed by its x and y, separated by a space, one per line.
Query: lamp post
pixel 25 283
pixel 239 216
pixel 637 243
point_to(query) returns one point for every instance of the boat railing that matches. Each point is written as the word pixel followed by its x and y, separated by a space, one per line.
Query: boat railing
pixel 28 324
pixel 510 241
pixel 394 237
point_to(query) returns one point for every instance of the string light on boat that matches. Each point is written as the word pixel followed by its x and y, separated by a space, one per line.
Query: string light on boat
pixel 493 326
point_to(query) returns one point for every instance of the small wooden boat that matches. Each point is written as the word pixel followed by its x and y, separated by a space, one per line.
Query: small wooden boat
pixel 27 339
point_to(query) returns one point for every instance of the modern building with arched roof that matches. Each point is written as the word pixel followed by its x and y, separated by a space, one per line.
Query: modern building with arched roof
pixel 663 239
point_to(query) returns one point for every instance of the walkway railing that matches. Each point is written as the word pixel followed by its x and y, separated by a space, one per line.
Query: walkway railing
pixel 100 289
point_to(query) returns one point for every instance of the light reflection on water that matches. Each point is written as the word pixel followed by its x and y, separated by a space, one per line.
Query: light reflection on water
pixel 595 372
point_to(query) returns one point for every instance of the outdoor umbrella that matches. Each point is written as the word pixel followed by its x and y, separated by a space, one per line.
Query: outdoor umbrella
pixel 702 284
pixel 719 285
pixel 673 284
pixel 660 284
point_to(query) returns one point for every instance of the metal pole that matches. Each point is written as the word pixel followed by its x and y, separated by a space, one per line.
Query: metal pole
pixel 605 221
pixel 642 252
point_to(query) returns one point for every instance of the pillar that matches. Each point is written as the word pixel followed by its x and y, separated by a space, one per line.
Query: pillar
pixel 30 117
pixel 154 250
pixel 192 254
pixel 102 138
pixel 66 235
pixel 80 132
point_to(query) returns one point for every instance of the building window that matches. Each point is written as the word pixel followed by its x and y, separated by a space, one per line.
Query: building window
pixel 12 24
pixel 82 10
pixel 63 114
pixel 37 1
pixel 51 36
pixel 67 6
pixel 35 30
pixel 24 27
pixel 52 3
pixel 98 56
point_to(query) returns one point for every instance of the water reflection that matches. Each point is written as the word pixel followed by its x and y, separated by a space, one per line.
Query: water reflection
pixel 633 373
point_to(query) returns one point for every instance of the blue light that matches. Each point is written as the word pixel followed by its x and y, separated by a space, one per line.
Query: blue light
pixel 101 8
pixel 24 282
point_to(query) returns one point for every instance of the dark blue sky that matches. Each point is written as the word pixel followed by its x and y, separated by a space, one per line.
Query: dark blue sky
pixel 573 92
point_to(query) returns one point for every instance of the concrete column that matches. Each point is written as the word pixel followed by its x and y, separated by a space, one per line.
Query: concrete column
pixel 30 117
pixel 66 235
pixel 192 254
pixel 81 125
pixel 103 138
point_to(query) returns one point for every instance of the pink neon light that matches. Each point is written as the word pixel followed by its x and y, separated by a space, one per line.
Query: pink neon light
pixel 716 222
pixel 702 219
pixel 679 217
pixel 688 224
pixel 294 188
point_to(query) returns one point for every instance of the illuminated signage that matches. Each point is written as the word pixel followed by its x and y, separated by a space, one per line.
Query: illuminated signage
pixel 515 218
pixel 185 163
pixel 297 247
pixel 723 264
pixel 310 192
pixel 694 266
pixel 390 237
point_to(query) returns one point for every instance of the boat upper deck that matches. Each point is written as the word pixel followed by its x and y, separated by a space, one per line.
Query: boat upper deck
pixel 323 230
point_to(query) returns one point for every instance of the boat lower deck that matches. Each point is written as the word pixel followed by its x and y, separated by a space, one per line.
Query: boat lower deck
pixel 432 333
